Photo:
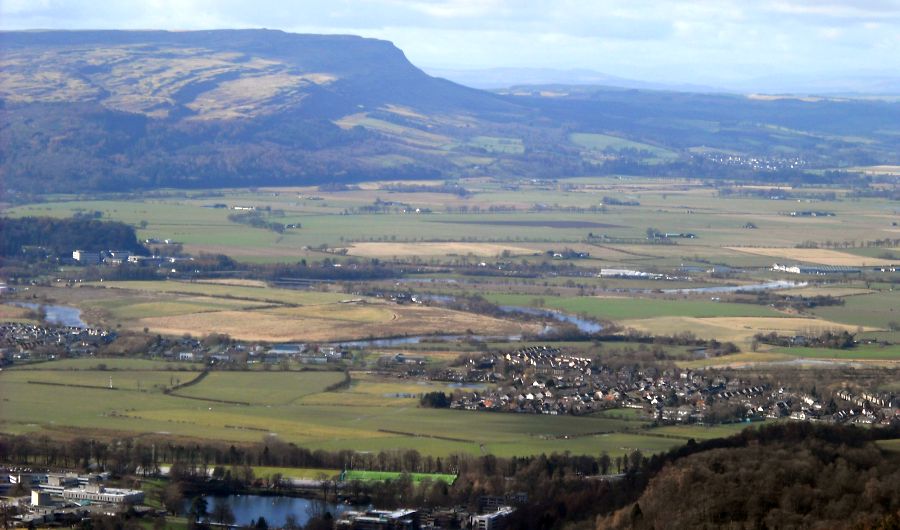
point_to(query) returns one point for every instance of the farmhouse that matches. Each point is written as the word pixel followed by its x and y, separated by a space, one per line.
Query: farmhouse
pixel 86 257
pixel 815 269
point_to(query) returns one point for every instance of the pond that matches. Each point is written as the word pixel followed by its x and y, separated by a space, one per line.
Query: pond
pixel 58 314
pixel 275 509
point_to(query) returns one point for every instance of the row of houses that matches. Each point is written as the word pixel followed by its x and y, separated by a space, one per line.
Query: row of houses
pixel 22 341
pixel 547 380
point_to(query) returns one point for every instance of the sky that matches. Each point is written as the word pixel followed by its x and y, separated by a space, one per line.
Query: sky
pixel 708 42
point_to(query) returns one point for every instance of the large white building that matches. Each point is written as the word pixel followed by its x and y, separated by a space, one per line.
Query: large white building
pixel 97 493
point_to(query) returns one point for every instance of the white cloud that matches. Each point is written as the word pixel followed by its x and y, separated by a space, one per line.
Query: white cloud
pixel 688 41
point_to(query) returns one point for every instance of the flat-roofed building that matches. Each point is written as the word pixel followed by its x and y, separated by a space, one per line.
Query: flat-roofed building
pixel 493 521
pixel 97 493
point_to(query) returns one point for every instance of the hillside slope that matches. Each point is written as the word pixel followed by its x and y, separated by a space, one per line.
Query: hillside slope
pixel 125 110
pixel 119 110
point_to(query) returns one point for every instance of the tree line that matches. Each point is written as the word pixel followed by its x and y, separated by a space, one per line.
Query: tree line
pixel 802 472
pixel 59 237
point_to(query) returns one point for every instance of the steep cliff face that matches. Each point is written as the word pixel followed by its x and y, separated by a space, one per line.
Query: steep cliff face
pixel 219 74
pixel 126 109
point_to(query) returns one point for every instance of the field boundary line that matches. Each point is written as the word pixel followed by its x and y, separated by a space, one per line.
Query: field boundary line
pixel 73 385
pixel 433 436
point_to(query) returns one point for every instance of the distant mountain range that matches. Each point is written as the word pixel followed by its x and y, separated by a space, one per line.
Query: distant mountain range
pixel 502 78
pixel 863 84
pixel 125 110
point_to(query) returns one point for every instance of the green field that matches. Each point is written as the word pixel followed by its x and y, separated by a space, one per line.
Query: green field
pixel 381 476
pixel 293 407
pixel 493 144
pixel 282 387
pixel 110 364
pixel 864 352
pixel 668 205
pixel 604 142
pixel 306 473
pixel 876 309
pixel 119 380
pixel 622 308
pixel 377 413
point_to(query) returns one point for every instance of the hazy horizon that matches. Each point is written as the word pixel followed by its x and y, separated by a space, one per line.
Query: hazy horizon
pixel 770 45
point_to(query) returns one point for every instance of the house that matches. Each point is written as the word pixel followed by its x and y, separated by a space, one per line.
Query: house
pixel 86 257
pixel 117 256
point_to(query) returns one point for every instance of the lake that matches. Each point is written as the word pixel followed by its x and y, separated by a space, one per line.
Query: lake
pixel 275 509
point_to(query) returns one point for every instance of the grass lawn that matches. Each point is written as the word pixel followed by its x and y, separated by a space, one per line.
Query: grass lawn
pixel 309 473
pixel 381 476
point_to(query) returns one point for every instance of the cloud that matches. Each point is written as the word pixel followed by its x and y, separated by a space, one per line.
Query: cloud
pixel 699 41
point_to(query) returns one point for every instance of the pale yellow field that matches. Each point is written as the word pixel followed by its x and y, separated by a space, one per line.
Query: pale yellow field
pixel 814 255
pixel 331 323
pixel 739 330
pixel 13 313
pixel 386 250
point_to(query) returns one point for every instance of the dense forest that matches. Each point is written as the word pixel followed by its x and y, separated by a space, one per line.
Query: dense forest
pixel 47 236
pixel 825 480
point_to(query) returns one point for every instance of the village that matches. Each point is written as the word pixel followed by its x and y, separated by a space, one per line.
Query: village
pixel 542 379
pixel 547 380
